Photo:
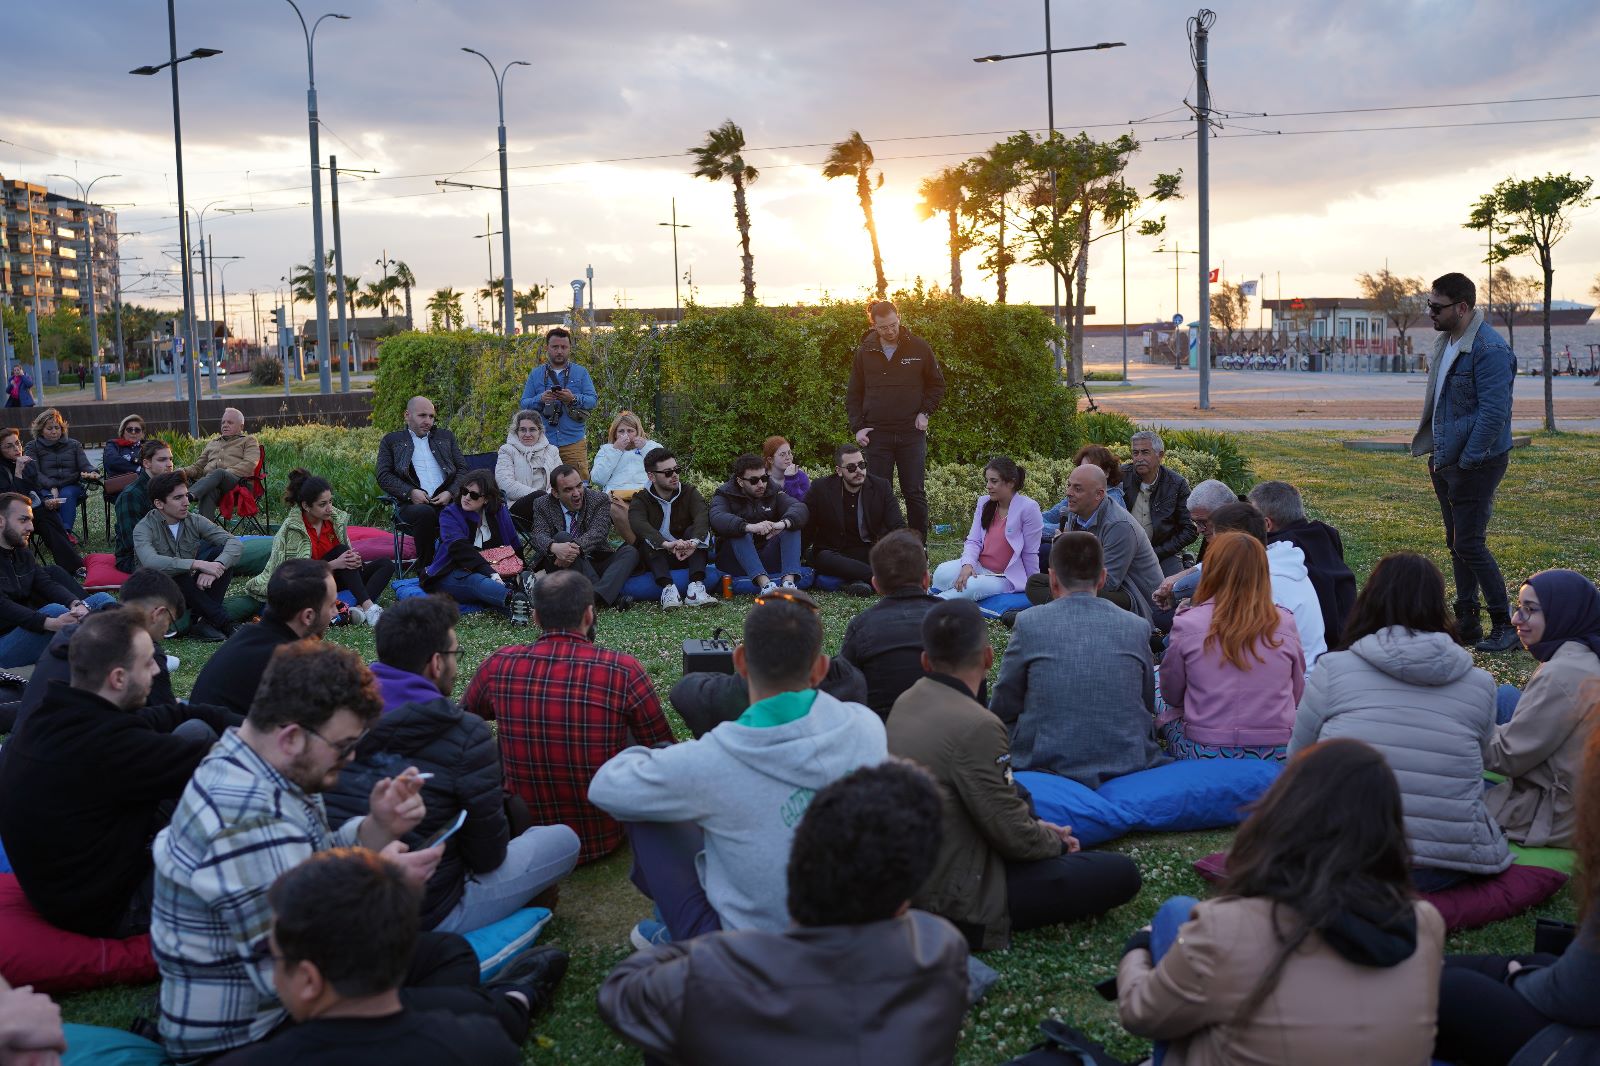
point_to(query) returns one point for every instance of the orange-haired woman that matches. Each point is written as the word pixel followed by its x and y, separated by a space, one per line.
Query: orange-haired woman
pixel 1234 671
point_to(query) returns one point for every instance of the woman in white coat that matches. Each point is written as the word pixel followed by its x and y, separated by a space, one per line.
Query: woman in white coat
pixel 522 469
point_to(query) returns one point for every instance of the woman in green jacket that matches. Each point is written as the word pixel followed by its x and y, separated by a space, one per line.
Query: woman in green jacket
pixel 315 529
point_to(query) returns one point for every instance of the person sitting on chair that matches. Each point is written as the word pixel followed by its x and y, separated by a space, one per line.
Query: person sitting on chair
pixel 619 468
pixel 475 524
pixel 33 604
pixel 571 530
pixel 849 512
pixel 194 551
pixel 523 466
pixel 421 466
pixel 18 474
pixel 120 454
pixel 61 465
pixel 227 459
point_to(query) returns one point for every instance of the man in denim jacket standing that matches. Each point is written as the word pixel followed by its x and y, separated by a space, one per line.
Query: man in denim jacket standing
pixel 1466 426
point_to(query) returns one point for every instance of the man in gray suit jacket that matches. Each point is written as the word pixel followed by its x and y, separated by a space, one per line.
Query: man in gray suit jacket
pixel 1133 572
pixel 1077 685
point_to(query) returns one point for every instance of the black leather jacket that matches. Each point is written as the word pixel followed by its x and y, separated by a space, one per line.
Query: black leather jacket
pixel 1171 528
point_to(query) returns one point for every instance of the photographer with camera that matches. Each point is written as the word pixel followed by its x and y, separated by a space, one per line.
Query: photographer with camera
pixel 563 393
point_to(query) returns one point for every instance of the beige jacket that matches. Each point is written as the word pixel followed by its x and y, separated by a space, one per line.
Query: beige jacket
pixel 237 456
pixel 1541 751
pixel 1324 1010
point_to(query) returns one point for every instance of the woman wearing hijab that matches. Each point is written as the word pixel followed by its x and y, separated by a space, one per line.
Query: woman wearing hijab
pixel 1538 744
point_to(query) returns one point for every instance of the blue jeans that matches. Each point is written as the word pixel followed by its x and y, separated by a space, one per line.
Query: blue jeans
pixel 71 497
pixel 22 647
pixel 465 586
pixel 1505 703
pixel 779 555
pixel 1163 934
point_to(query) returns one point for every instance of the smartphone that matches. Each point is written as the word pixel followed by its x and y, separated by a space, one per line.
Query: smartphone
pixel 447 832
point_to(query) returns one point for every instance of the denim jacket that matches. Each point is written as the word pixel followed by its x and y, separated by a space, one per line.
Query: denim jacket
pixel 1471 423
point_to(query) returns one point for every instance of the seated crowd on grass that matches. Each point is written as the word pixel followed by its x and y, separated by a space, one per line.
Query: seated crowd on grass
pixel 825 859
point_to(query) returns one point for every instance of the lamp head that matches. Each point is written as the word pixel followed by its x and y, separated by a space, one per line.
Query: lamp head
pixel 145 70
pixel 205 53
pixel 345 18
pixel 988 59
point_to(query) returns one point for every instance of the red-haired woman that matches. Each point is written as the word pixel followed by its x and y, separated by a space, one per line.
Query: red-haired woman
pixel 1234 670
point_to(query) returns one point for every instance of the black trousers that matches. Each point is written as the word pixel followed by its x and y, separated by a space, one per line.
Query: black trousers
pixel 205 603
pixel 522 510
pixel 47 523
pixel 1466 502
pixel 444 976
pixel 851 566
pixel 661 564
pixel 423 518
pixel 1483 1021
pixel 904 451
pixel 607 570
pixel 705 700
pixel 1068 887
pixel 365 584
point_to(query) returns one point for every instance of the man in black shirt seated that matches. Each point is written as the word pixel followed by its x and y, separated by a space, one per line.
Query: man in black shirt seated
pixel 885 640
pixel 344 937
pixel 300 603
pixel 849 513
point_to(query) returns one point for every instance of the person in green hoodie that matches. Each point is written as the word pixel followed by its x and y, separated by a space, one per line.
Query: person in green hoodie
pixel 711 820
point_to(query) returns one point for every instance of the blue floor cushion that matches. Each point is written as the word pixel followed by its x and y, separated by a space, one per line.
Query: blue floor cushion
pixel 497 944
pixel 995 606
pixel 93 1045
pixel 408 587
pixel 642 586
pixel 828 583
pixel 1177 797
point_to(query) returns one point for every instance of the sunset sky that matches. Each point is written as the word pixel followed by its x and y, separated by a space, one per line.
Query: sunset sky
pixel 600 123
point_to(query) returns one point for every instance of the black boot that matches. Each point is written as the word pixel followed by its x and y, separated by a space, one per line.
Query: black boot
pixel 1469 623
pixel 1502 636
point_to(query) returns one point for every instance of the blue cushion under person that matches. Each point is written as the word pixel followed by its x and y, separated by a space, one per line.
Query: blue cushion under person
pixel 1180 796
pixel 497 944
pixel 995 606
pixel 642 586
pixel 93 1045
pixel 409 587
pixel 828 583
pixel 1094 819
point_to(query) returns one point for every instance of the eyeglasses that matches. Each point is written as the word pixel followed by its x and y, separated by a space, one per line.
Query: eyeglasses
pixel 1524 611
pixel 759 479
pixel 345 749
pixel 452 651
pixel 669 472
pixel 134 429
pixel 473 494
pixel 851 468
pixel 792 595
pixel 1434 308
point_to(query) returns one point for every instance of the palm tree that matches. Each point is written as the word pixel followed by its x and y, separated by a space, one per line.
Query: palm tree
pixel 491 292
pixel 380 295
pixel 406 280
pixel 527 303
pixel 852 157
pixel 946 192
pixel 445 304
pixel 304 280
pixel 721 157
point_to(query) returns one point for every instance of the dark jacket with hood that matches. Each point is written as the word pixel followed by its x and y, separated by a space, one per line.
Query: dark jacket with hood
pixel 732 509
pixel 232 675
pixel 1172 528
pixel 691 518
pixel 887 393
pixel 1383 973
pixel 892 993
pixel 1330 575
pixel 421 728
pixel 80 786
pixel 25 586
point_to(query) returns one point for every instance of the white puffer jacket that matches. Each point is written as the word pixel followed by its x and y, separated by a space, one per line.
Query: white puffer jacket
pixel 1417 698
pixel 519 470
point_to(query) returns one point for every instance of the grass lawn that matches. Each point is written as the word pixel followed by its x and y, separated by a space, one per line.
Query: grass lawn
pixel 1547 516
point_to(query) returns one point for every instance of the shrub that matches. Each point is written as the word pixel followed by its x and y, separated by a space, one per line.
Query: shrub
pixel 1106 427
pixel 346 457
pixel 266 372
pixel 1233 469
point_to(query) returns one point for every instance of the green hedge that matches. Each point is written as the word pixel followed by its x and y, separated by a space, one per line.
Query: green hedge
pixel 346 457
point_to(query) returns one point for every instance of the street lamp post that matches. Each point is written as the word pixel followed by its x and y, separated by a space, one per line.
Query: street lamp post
pixel 94 321
pixel 1049 54
pixel 222 271
pixel 183 220
pixel 507 300
pixel 324 351
pixel 676 226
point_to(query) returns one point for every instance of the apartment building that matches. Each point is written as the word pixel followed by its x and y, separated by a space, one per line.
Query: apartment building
pixel 44 249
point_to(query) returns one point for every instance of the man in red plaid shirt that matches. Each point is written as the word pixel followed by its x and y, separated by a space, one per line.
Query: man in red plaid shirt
pixel 564 706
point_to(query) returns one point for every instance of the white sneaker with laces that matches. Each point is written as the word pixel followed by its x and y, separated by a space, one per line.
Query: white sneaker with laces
pixel 670 597
pixel 373 613
pixel 699 596
pixel 357 615
pixel 788 583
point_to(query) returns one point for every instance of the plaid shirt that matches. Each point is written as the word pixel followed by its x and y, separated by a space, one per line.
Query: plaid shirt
pixel 564 706
pixel 237 827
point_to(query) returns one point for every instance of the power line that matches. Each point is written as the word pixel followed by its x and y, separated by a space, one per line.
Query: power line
pixel 1386 129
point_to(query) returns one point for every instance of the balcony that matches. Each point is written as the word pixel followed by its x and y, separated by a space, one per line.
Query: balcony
pixel 65 252
pixel 67 274
pixel 68 294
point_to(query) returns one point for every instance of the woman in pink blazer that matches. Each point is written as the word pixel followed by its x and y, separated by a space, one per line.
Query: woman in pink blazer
pixel 1002 547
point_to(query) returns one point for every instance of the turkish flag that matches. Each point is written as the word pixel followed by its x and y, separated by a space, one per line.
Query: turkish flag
pixel 1213 277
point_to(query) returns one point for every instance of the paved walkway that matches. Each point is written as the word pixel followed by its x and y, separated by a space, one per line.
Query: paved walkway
pixel 1277 400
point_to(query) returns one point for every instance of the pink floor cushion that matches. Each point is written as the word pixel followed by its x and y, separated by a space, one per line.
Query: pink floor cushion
pixel 374 544
pixel 1465 906
pixel 103 574
pixel 34 952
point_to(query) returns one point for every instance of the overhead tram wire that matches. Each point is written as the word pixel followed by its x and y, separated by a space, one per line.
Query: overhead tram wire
pixel 1387 129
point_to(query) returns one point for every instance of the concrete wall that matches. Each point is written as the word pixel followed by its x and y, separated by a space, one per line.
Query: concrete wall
pixel 95 423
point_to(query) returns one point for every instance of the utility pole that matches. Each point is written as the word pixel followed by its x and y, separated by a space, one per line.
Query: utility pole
pixel 345 345
pixel 1201 27
pixel 677 313
pixel 488 251
pixel 211 326
pixel 1124 183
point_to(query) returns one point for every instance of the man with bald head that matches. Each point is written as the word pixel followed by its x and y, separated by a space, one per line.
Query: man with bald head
pixel 1132 570
pixel 422 467
pixel 226 460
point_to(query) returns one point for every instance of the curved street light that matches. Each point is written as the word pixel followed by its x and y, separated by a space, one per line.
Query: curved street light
pixel 507 292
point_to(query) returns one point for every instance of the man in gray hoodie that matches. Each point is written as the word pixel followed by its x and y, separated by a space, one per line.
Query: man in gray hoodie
pixel 711 820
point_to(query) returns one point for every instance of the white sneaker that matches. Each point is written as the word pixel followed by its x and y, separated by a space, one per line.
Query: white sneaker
pixel 699 596
pixel 670 597
pixel 788 583
pixel 373 613
pixel 357 615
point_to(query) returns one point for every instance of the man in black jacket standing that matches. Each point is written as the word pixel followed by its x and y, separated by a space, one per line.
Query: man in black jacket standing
pixel 849 513
pixel 1159 500
pixel 422 467
pixel 300 604
pixel 90 777
pixel 895 386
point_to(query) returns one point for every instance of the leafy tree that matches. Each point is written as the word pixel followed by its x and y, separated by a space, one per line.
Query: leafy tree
pixel 1505 295
pixel 1402 300
pixel 721 156
pixel 1230 310
pixel 527 303
pixel 945 193
pixel 992 181
pixel 1534 214
pixel 444 309
pixel 852 158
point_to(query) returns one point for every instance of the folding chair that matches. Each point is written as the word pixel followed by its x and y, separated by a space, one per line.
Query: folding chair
pixel 402 530
pixel 246 503
pixel 112 488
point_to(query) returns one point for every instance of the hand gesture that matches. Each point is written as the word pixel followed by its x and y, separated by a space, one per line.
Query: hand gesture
pixel 547 396
pixel 397 804
pixel 963 577
pixel 863 436
pixel 418 866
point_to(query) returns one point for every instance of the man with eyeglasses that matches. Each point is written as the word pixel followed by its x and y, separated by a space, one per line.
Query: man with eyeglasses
pixel 301 599
pixel 254 811
pixel 670 524
pixel 192 550
pixel 757 526
pixel 850 511
pixel 1466 433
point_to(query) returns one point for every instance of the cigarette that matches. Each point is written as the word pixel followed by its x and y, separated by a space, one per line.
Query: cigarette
pixel 423 777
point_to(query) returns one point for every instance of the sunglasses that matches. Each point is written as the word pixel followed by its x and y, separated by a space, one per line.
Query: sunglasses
pixel 669 472
pixel 1434 308
pixel 134 429
pixel 473 494
pixel 759 479
pixel 792 595
pixel 851 468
